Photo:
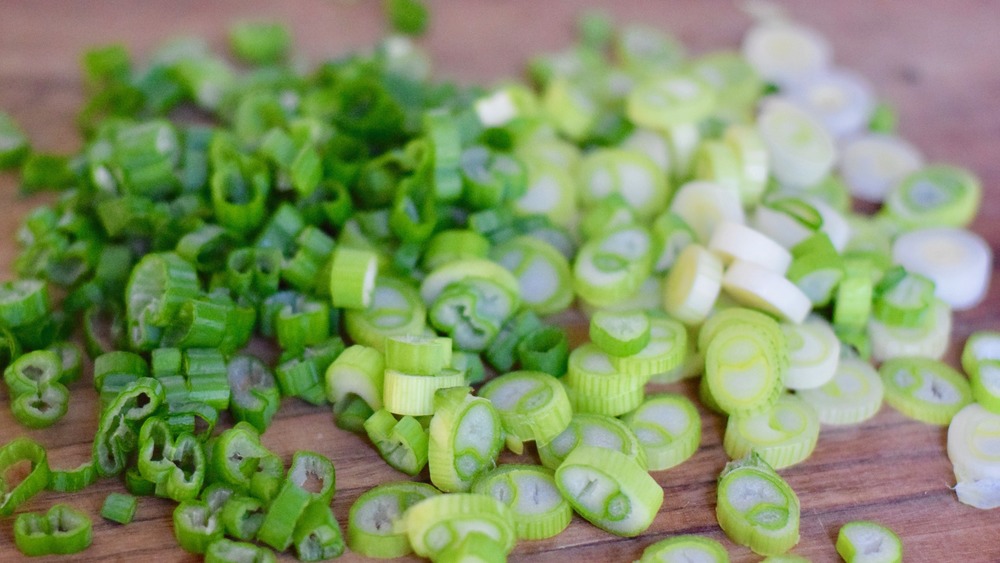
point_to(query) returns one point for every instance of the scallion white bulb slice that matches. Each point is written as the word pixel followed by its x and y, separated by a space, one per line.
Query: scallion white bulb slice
pixel 692 285
pixel 974 451
pixel 764 289
pixel 781 51
pixel 801 150
pixel 813 353
pixel 873 164
pixel 958 261
pixel 735 241
pixel 840 99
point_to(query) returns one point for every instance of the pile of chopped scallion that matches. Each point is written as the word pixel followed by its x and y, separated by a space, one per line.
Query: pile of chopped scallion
pixel 404 244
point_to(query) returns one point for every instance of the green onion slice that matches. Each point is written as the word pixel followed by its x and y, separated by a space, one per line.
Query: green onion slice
pixel 784 435
pixel 375 522
pixel 692 285
pixel 611 268
pixel 532 405
pixel 396 308
pixel 666 350
pixel 466 436
pixel 609 489
pixel 619 334
pixel 756 507
pixel 928 339
pixel 668 427
pixel 851 397
pixel 924 389
pixel 813 353
pixel 530 491
pixel 685 549
pixel 597 430
pixel 542 272
pixel 935 196
pixel 867 542
pixel 744 369
pixel 440 522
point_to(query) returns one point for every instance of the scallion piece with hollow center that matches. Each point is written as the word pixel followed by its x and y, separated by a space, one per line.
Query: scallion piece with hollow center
pixel 374 524
pixel 592 430
pixel 395 309
pixel 974 456
pixel 867 542
pixel 532 406
pixel 62 530
pixel 851 397
pixel 685 548
pixel 609 489
pixel 466 436
pixel 924 389
pixel 756 507
pixel 668 427
pixel 784 435
pixel 619 334
pixel 402 443
pixel 441 522
pixel 530 491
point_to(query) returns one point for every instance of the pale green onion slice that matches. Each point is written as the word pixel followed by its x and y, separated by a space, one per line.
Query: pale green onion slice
pixel 693 285
pixel 610 490
pixel 755 320
pixel 840 99
pixel 396 308
pixel 760 288
pixel 784 435
pixel 816 268
pixel 440 522
pixel 780 50
pixel 867 542
pixel 406 393
pixel 789 220
pixel 671 234
pixel 668 427
pixel 851 397
pixel 666 350
pixel 653 144
pixel 813 353
pixel 418 354
pixel 440 278
pixel 611 268
pixel 735 241
pixel 664 100
pixel 756 507
pixel 592 430
pixel 929 339
pixel 959 262
pixel 590 371
pixel 924 389
pixel 973 447
pixel 629 173
pixel 550 191
pixel 620 334
pixel 683 140
pixel 744 370
pixel 570 108
pixel 530 491
pixel 975 456
pixel 853 304
pixel 801 151
pixel 352 277
pixel 532 405
pixel 685 549
pixel 753 160
pixel 873 164
pixel 785 558
pixel 704 205
pixel 375 519
pixel 935 196
pixel 358 371
pixel 466 436
pixel 715 161
pixel 542 273
pixel 981 346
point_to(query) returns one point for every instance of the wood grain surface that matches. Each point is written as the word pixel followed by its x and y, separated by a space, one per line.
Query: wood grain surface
pixel 936 61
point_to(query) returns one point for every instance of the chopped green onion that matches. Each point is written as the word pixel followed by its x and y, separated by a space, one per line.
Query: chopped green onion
pixel 924 389
pixel 466 436
pixel 782 436
pixel 756 507
pixel 374 522
pixel 668 427
pixel 868 542
pixel 62 530
pixel 119 508
pixel 539 509
pixel 685 548
pixel 532 405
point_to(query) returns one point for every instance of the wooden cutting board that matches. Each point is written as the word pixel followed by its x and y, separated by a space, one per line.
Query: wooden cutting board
pixel 935 61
